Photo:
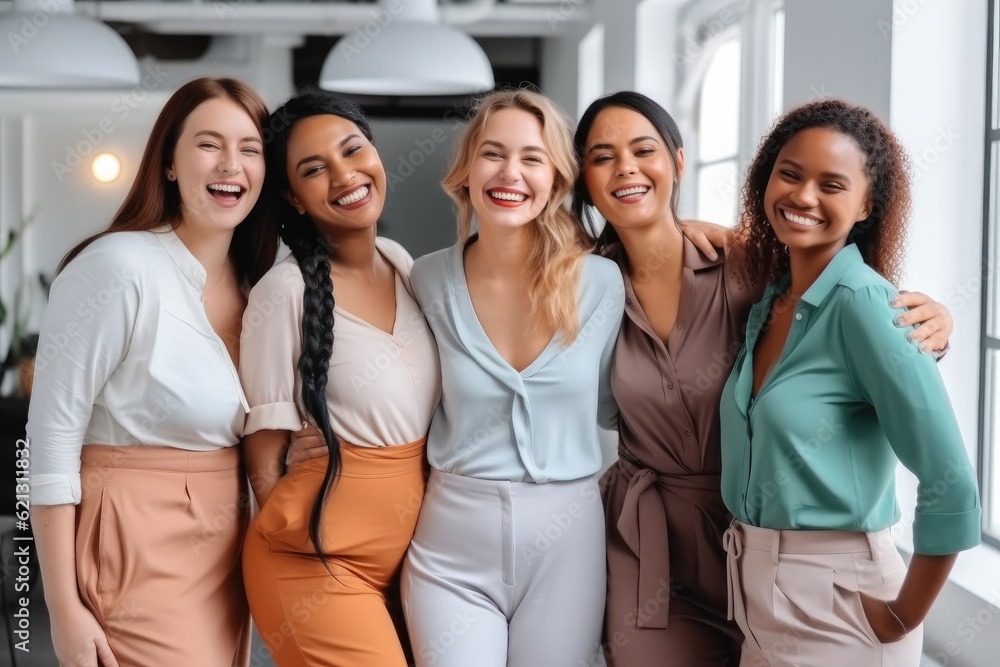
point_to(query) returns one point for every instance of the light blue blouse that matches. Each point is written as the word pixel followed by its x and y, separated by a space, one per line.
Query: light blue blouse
pixel 539 425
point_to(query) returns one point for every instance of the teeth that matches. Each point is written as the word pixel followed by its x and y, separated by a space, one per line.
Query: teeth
pixel 508 196
pixel 638 190
pixel 355 196
pixel 812 222
pixel 223 187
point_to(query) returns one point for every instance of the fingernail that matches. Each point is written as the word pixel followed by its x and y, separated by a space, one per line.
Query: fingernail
pixel 898 320
pixel 909 336
pixel 895 303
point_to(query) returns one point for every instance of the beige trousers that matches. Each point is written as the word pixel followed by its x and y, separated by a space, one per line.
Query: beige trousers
pixel 794 593
pixel 158 539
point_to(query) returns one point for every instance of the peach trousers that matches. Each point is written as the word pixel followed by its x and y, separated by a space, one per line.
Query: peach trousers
pixel 307 616
pixel 794 594
pixel 158 537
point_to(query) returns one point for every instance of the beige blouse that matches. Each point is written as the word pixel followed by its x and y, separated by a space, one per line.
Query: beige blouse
pixel 382 388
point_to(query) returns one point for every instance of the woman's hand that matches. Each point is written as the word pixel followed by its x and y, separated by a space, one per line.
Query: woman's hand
pixel 934 319
pixel 925 577
pixel 79 640
pixel 883 620
pixel 707 236
pixel 305 444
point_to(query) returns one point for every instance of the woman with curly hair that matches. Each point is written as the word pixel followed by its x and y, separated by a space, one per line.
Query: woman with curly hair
pixel 333 337
pixel 507 561
pixel 685 313
pixel 825 398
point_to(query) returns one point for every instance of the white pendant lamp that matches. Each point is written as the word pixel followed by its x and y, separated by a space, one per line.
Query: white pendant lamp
pixel 48 46
pixel 404 50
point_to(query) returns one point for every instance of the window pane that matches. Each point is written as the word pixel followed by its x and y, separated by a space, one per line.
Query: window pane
pixel 719 105
pixel 992 313
pixel 717 193
pixel 991 444
pixel 779 63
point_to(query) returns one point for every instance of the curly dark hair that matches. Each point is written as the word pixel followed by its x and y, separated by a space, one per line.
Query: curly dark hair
pixel 312 254
pixel 880 237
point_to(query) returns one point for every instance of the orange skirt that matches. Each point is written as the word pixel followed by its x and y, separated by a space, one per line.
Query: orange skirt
pixel 158 537
pixel 351 619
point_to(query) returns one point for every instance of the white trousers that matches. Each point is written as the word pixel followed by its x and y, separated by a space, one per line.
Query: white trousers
pixel 794 593
pixel 506 573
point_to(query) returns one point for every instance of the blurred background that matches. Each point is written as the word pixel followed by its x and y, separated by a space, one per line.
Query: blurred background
pixel 82 82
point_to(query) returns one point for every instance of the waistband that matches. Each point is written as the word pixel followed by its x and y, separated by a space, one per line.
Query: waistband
pixel 358 461
pixel 161 459
pixel 779 541
pixel 478 485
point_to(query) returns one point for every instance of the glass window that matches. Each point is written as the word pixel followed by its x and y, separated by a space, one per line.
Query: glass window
pixel 719 136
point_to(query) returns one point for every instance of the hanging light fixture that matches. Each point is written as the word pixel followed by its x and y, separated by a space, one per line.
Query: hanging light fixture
pixel 48 46
pixel 405 50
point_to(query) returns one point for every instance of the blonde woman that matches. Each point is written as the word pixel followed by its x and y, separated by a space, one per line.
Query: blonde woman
pixel 507 561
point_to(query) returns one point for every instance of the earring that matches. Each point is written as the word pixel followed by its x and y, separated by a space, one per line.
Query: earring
pixel 171 176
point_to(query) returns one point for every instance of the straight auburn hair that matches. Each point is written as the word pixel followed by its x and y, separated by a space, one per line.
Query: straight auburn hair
pixel 558 244
pixel 153 200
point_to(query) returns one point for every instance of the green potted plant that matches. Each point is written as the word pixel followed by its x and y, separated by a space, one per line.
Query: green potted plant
pixel 15 317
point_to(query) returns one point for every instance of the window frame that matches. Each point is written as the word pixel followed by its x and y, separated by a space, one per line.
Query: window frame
pixel 756 29
pixel 990 282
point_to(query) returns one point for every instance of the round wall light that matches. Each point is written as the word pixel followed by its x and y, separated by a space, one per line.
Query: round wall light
pixel 106 167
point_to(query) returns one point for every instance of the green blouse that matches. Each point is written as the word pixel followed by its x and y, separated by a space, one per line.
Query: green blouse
pixel 817 447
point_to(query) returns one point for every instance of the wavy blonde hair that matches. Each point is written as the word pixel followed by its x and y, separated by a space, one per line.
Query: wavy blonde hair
pixel 558 243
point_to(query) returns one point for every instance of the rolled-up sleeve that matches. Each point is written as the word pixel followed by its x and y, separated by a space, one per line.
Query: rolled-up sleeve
pixel 270 345
pixel 914 410
pixel 85 334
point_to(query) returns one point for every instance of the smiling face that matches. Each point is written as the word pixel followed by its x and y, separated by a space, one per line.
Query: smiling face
pixel 510 178
pixel 335 174
pixel 817 191
pixel 218 164
pixel 628 169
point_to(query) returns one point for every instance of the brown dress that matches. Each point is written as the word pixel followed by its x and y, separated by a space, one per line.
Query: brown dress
pixel 665 515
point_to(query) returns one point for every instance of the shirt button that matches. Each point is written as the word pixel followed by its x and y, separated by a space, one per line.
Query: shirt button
pixel 798 316
pixel 687 433
pixel 680 325
pixel 670 385
pixel 628 301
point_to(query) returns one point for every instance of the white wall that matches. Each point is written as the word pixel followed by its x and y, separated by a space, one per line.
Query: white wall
pixel 837 49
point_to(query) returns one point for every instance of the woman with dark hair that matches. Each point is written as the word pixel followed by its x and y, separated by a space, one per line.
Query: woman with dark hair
pixel 507 561
pixel 333 337
pixel 685 313
pixel 825 399
pixel 135 414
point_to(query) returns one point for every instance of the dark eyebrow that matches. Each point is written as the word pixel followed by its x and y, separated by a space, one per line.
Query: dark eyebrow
pixel 637 140
pixel 342 143
pixel 532 149
pixel 213 133
pixel 347 139
pixel 826 174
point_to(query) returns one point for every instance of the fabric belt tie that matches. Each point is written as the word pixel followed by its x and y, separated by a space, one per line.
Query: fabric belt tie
pixel 732 542
pixel 643 527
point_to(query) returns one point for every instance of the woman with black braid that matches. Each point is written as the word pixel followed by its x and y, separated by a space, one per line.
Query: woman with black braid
pixel 332 336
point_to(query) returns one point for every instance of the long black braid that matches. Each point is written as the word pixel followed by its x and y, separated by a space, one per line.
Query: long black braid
pixel 313 256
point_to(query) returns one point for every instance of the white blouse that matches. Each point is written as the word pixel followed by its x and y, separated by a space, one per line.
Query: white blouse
pixel 127 356
pixel 382 388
